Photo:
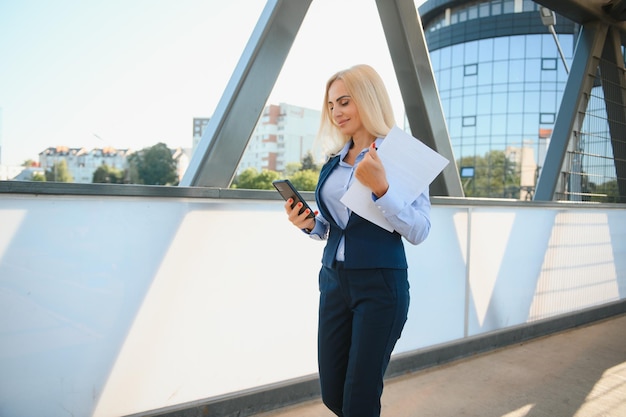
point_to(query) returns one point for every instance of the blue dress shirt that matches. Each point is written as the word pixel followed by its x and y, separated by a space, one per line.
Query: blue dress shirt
pixel 410 219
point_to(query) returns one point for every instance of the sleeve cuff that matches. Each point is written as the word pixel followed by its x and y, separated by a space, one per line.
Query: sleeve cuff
pixel 318 232
pixel 389 204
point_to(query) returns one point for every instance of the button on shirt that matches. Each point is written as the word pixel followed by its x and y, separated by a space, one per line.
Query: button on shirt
pixel 410 219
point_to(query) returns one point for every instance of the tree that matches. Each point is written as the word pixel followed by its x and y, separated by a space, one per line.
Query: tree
pixel 308 162
pixel 495 176
pixel 38 177
pixel 609 189
pixel 303 175
pixel 59 172
pixel 107 174
pixel 291 168
pixel 305 180
pixel 153 166
pixel 250 178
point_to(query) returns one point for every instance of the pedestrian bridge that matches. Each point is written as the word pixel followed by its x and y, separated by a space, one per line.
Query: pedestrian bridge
pixel 579 372
pixel 134 300
pixel 200 300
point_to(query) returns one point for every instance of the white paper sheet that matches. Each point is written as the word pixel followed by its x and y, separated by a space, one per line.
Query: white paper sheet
pixel 410 166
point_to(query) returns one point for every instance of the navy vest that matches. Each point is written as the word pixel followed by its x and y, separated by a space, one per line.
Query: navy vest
pixel 366 244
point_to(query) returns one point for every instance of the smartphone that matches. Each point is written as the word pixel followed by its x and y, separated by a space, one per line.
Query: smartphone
pixel 287 190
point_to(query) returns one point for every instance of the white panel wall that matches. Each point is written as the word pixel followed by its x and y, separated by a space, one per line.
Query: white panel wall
pixel 111 305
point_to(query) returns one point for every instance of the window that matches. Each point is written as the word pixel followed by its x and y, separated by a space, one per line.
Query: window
pixel 470 69
pixel 469 121
pixel 547 118
pixel 548 64
pixel 472 12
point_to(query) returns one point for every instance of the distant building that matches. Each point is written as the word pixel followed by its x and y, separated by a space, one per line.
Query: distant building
pixel 81 162
pixel 283 134
pixel 199 124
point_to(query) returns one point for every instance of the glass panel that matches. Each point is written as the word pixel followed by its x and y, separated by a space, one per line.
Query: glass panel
pixel 508 6
pixel 517 47
pixel 533 46
pixel 528 6
pixel 483 105
pixel 531 102
pixel 472 12
pixel 444 80
pixel 533 70
pixel 454 124
pixel 548 47
pixel 496 7
pixel 514 125
pixel 497 142
pixel 500 48
pixel 485 74
pixel 470 81
pixel 500 72
pixel 548 102
pixel 457 77
pixel 471 52
pixel 498 103
pixel 462 15
pixel 531 125
pixel 446 57
pixel 483 124
pixel 549 76
pixel 485 50
pixel 498 124
pixel 516 71
pixel 456 106
pixel 469 104
pixel 516 102
pixel 484 9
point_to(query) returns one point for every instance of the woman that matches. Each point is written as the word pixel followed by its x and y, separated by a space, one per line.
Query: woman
pixel 364 290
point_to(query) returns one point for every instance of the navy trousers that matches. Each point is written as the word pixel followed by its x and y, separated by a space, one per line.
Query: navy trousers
pixel 361 316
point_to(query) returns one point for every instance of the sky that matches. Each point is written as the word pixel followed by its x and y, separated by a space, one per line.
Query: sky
pixel 133 73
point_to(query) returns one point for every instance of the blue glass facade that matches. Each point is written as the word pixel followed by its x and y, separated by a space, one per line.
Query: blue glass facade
pixel 501 79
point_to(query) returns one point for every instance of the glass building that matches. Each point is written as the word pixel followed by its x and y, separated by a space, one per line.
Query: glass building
pixel 500 77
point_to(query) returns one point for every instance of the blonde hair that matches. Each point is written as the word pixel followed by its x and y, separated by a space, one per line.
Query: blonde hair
pixel 372 101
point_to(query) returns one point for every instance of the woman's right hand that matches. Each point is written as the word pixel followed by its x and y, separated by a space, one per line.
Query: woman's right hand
pixel 301 221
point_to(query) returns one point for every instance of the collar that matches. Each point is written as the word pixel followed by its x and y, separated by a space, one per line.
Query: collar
pixel 350 143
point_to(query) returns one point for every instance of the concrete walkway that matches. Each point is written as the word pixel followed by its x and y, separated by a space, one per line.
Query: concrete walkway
pixel 576 373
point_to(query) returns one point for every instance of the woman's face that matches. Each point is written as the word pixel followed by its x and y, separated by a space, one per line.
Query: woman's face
pixel 343 110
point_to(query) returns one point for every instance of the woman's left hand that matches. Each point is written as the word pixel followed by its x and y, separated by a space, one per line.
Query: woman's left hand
pixel 371 172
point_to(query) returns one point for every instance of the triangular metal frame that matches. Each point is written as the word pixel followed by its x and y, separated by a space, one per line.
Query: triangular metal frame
pixel 596 39
pixel 223 143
